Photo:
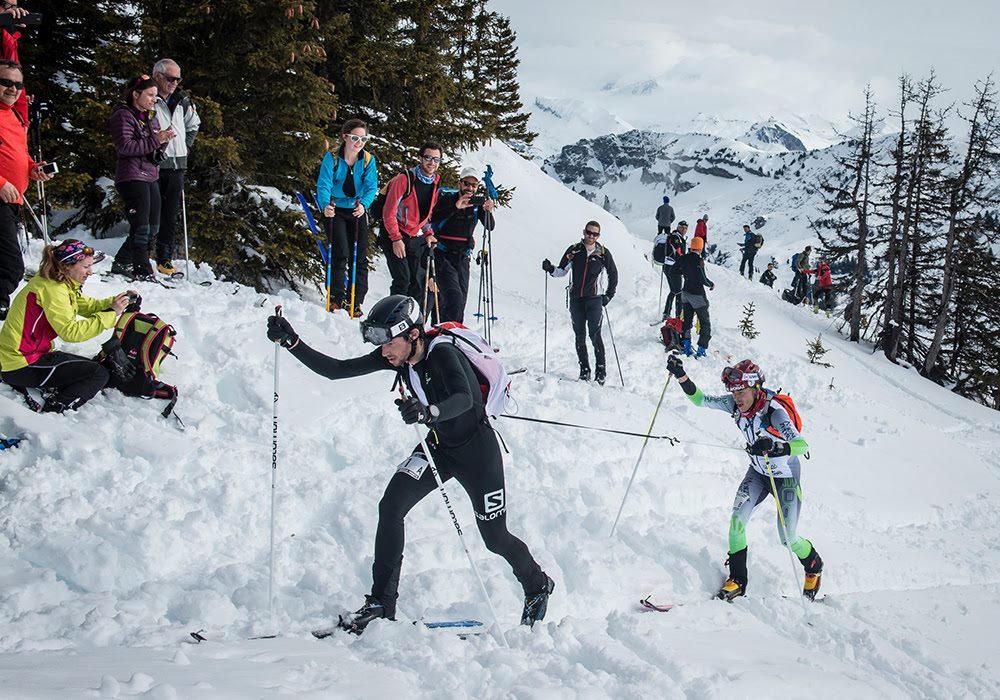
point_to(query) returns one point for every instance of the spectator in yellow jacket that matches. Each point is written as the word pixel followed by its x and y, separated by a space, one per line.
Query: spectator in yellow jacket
pixel 50 307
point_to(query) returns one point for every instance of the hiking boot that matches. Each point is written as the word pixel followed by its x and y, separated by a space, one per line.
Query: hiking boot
pixel 815 309
pixel 166 268
pixel 54 405
pixel 535 604
pixel 585 374
pixel 358 313
pixel 828 313
pixel 600 375
pixel 811 586
pixel 359 619
pixel 120 268
pixel 701 352
pixel 731 589
pixel 687 347
pixel 334 306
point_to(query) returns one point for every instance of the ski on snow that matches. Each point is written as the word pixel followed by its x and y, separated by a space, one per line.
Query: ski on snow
pixel 463 628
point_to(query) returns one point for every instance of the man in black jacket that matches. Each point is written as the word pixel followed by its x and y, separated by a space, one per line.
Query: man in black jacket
pixel 676 248
pixel 446 397
pixel 454 219
pixel 592 286
pixel 694 298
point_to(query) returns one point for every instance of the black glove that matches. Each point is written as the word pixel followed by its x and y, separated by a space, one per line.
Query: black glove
pixel 769 447
pixel 605 300
pixel 135 301
pixel 675 366
pixel 547 266
pixel 117 362
pixel 280 330
pixel 413 411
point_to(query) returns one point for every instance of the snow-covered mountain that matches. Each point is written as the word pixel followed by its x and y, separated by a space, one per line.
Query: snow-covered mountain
pixel 121 534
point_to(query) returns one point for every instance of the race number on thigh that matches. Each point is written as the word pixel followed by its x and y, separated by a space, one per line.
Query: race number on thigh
pixel 414 465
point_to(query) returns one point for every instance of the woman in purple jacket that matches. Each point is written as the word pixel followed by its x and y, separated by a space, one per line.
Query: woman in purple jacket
pixel 140 142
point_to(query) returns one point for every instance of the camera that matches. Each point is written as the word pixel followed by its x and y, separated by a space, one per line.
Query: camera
pixel 477 201
pixel 157 157
pixel 32 19
pixel 135 301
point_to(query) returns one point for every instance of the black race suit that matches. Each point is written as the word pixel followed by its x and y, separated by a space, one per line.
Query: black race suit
pixel 464 446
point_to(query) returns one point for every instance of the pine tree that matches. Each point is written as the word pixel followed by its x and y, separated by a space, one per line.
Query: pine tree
pixel 815 351
pixel 746 323
pixel 502 106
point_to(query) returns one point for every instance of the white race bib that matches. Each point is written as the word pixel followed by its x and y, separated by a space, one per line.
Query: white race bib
pixel 414 466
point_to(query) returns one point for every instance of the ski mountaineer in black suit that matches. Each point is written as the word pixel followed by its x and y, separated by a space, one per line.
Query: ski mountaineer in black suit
pixel 461 439
pixel 592 286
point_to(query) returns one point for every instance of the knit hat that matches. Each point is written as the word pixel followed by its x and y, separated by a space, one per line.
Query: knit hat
pixel 469 171
pixel 697 244
pixel 666 199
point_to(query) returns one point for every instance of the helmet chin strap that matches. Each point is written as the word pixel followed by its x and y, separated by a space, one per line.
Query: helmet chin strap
pixel 413 348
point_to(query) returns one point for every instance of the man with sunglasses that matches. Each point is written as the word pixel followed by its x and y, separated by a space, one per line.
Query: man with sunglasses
pixel 174 108
pixel 447 398
pixel 455 219
pixel 774 445
pixel 16 169
pixel 407 234
pixel 592 286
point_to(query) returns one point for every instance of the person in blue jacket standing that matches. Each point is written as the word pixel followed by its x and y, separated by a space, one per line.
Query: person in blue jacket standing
pixel 346 187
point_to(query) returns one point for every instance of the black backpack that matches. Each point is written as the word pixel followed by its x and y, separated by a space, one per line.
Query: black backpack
pixel 133 354
pixel 375 213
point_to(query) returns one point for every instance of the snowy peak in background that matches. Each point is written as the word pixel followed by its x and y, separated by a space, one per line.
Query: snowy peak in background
pixel 772 135
pixel 559 121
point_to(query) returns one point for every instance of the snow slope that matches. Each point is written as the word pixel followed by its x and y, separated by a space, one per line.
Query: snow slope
pixel 122 534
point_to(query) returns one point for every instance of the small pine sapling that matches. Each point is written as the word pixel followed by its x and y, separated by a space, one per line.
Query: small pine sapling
pixel 746 323
pixel 815 351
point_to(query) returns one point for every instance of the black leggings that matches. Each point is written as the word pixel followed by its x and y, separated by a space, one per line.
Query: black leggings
pixel 142 207
pixel 675 282
pixel 11 260
pixel 341 230
pixel 478 467
pixel 587 315
pixel 76 378
pixel 452 271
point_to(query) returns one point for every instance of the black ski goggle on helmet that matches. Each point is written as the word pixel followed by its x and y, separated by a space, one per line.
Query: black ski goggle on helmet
pixel 380 335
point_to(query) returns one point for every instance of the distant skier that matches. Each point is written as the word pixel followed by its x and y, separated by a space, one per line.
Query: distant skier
pixel 664 216
pixel 461 439
pixel 800 265
pixel 772 441
pixel 824 287
pixel 694 297
pixel 768 277
pixel 752 242
pixel 676 248
pixel 592 287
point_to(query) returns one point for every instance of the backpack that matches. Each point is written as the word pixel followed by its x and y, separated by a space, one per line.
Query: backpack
pixel 375 213
pixel 795 263
pixel 670 334
pixel 660 248
pixel 493 380
pixel 132 356
pixel 785 401
pixel 758 241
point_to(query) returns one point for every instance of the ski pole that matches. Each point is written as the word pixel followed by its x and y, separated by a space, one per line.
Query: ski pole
pixel 639 459
pixel 184 221
pixel 659 297
pixel 613 346
pixel 328 222
pixel 674 441
pixel 545 333
pixel 427 279
pixel 784 528
pixel 274 468
pixel 454 521
pixel 354 263
pixel 44 231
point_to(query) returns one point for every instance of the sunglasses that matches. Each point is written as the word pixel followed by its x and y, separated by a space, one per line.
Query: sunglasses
pixel 69 253
pixel 595 234
pixel 6 82
pixel 431 159
pixel 171 78
pixel 357 139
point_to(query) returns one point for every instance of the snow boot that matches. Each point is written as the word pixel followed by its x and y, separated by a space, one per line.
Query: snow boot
pixel 600 375
pixel 584 373
pixel 357 621
pixel 687 347
pixel 815 309
pixel 701 352
pixel 536 604
pixel 166 268
pixel 736 584
pixel 119 268
pixel 813 564
pixel 358 313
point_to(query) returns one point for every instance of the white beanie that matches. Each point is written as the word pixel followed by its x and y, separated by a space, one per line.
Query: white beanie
pixel 469 171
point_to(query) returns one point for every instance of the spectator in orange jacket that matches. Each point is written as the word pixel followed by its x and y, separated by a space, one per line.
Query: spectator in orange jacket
pixel 16 168
pixel 406 222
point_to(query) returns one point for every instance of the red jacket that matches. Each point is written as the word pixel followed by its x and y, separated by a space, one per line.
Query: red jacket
pixel 701 229
pixel 824 278
pixel 399 215
pixel 9 51
pixel 15 162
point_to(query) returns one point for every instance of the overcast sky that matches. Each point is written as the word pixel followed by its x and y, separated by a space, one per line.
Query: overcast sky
pixel 747 59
